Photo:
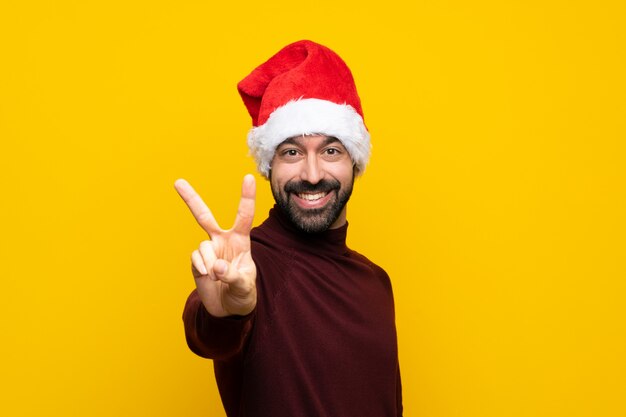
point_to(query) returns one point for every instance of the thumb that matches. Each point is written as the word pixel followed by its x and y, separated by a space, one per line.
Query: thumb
pixel 224 271
pixel 220 267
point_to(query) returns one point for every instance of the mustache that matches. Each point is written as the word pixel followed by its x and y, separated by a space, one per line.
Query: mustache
pixel 306 187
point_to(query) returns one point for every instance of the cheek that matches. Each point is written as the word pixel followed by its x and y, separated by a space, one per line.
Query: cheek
pixel 274 184
pixel 281 174
pixel 344 173
pixel 277 182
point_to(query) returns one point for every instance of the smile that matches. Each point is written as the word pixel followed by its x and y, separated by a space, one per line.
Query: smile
pixel 311 197
pixel 316 200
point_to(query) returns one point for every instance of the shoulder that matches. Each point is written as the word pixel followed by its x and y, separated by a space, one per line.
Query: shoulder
pixel 268 253
pixel 380 274
pixel 364 259
pixel 264 240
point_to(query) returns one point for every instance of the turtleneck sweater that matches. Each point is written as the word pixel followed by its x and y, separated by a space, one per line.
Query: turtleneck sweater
pixel 321 341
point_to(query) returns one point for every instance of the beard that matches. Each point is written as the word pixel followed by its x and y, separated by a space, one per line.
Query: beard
pixel 318 219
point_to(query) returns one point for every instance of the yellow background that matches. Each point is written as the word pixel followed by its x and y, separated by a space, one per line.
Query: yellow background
pixel 495 197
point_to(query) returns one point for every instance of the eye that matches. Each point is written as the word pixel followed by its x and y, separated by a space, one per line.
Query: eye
pixel 289 153
pixel 332 153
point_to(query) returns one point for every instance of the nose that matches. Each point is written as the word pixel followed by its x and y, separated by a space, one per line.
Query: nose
pixel 313 170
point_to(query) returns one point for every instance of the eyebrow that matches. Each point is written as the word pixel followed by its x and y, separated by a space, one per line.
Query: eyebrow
pixel 294 140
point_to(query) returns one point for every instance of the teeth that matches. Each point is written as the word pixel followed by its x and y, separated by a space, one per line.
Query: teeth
pixel 311 197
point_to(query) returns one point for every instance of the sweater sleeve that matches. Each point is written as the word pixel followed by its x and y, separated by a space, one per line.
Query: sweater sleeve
pixel 212 337
pixel 399 406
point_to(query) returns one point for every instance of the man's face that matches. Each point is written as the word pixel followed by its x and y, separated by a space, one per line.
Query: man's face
pixel 311 179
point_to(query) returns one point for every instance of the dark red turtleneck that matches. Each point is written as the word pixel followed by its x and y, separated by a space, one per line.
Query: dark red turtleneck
pixel 322 339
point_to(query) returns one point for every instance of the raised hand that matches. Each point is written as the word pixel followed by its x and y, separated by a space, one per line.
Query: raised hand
pixel 222 267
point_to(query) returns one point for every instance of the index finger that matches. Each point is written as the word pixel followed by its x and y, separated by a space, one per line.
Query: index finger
pixel 245 212
pixel 196 205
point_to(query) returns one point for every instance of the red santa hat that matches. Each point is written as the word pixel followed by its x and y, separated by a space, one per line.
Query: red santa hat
pixel 304 89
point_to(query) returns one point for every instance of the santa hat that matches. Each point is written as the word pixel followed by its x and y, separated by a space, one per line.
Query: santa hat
pixel 304 89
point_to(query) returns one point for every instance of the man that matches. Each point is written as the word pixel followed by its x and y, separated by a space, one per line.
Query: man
pixel 297 323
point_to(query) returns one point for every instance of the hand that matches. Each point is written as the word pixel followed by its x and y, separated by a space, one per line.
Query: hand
pixel 222 267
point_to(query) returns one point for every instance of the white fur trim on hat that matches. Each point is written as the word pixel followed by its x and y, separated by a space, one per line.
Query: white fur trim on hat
pixel 308 117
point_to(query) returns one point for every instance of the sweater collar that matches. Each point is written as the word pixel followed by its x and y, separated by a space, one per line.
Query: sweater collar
pixel 333 240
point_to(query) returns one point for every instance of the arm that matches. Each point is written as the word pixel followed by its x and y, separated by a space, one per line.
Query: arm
pixel 212 337
pixel 219 313
pixel 399 393
pixel 222 267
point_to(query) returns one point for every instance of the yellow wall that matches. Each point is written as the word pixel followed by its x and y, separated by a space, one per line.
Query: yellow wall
pixel 495 197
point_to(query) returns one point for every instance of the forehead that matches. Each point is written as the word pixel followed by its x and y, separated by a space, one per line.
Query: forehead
pixel 303 140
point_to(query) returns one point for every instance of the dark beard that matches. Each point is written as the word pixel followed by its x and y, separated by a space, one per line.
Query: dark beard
pixel 313 220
